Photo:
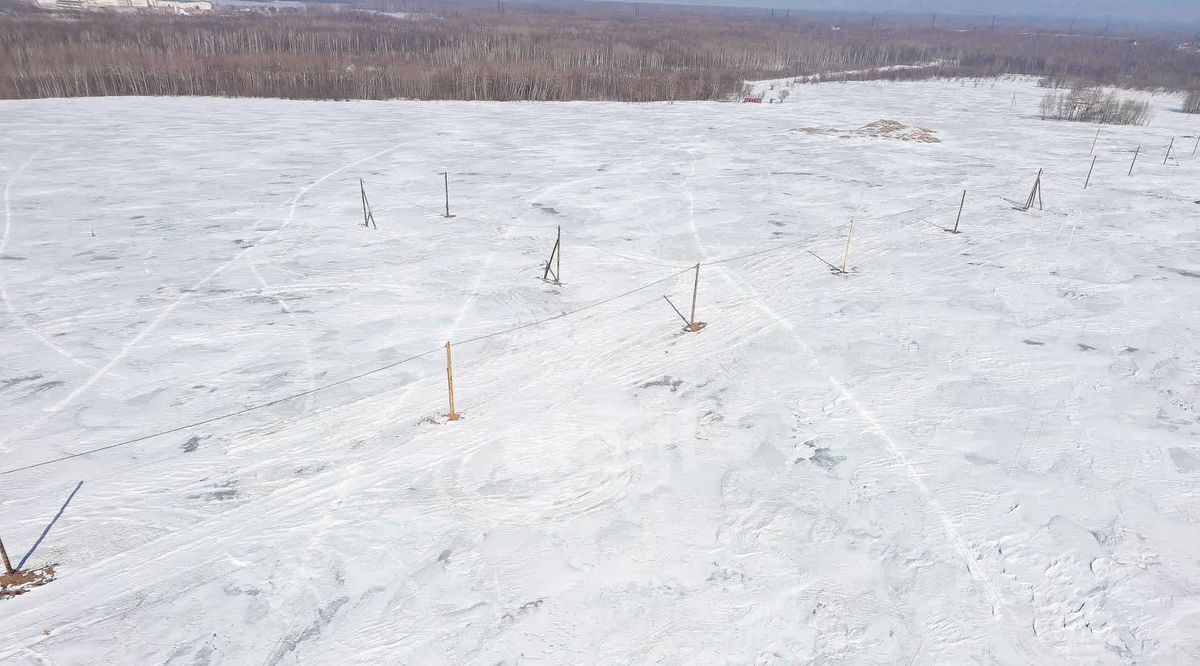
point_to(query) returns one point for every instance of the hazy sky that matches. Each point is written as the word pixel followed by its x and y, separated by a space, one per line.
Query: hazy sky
pixel 1187 11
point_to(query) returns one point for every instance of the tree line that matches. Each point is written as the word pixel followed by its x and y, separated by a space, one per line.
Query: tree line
pixel 531 53
pixel 1093 105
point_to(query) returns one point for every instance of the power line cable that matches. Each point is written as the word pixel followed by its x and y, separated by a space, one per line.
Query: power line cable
pixel 223 417
pixel 339 382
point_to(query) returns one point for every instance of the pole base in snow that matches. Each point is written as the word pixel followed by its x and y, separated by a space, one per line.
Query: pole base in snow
pixel 695 327
pixel 453 416
pixel 449 216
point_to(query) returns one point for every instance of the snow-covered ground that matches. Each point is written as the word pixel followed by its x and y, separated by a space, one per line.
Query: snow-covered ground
pixel 974 448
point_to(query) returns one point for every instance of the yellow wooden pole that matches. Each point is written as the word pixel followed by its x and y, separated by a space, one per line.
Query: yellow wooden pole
pixel 695 290
pixel 450 382
pixel 846 256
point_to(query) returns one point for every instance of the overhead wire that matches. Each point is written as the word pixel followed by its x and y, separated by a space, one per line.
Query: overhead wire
pixel 339 382
pixel 641 260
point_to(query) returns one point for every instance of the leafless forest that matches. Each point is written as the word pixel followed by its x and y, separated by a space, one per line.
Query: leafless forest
pixel 1093 105
pixel 1192 103
pixel 534 52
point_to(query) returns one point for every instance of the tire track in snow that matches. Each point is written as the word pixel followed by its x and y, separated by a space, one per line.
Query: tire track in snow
pixel 351 483
pixel 4 287
pixel 982 578
pixel 183 298
pixel 308 355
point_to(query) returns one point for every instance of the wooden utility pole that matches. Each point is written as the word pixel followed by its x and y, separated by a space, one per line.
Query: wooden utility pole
pixel 689 325
pixel 1089 176
pixel 1168 155
pixel 453 416
pixel 1037 186
pixel 693 326
pixel 368 216
pixel 960 209
pixel 8 568
pixel 1035 195
pixel 446 177
pixel 1093 150
pixel 555 258
pixel 846 255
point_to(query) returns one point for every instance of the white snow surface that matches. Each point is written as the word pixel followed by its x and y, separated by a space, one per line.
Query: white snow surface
pixel 973 448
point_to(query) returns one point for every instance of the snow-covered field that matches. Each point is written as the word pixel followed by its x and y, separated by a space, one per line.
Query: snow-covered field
pixel 974 448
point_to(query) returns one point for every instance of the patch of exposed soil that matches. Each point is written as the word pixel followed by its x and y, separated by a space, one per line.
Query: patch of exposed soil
pixel 880 129
pixel 20 582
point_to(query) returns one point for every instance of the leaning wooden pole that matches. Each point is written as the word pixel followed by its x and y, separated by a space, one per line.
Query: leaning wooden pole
pixel 846 254
pixel 960 209
pixel 368 215
pixel 453 416
pixel 8 567
pixel 1038 187
pixel 1135 156
pixel 362 190
pixel 1089 176
pixel 551 260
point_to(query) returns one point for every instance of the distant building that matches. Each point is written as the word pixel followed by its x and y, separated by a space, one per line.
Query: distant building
pixel 182 6
pixel 173 6
pixel 268 7
pixel 752 100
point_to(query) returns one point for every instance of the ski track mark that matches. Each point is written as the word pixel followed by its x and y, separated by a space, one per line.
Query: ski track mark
pixel 873 424
pixel 183 298
pixel 4 287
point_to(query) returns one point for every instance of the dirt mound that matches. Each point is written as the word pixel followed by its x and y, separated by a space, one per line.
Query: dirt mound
pixel 882 129
pixel 20 582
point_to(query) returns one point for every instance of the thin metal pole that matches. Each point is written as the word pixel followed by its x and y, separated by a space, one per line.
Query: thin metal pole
pixel 695 290
pixel 960 207
pixel 558 257
pixel 8 568
pixel 1135 156
pixel 1093 150
pixel 453 416
pixel 446 177
pixel 1196 146
pixel 1168 155
pixel 685 321
pixel 1089 177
